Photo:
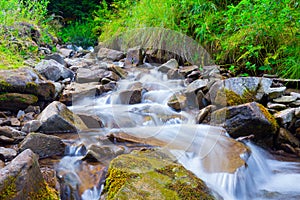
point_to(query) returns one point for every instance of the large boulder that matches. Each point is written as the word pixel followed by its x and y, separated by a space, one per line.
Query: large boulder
pixel 110 54
pixel 16 101
pixel 26 81
pixel 247 119
pixel 239 90
pixel 152 175
pixel 22 179
pixel 57 118
pixel 43 145
pixel 53 70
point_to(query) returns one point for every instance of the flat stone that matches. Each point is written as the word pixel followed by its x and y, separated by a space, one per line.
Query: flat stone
pixel 196 85
pixel 16 101
pixel 7 154
pixel 285 99
pixel 9 132
pixel 276 106
pixel 295 104
pixel 276 92
pixel 91 121
pixel 6 140
pixel 295 94
pixel 110 54
pixel 85 75
pixel 285 116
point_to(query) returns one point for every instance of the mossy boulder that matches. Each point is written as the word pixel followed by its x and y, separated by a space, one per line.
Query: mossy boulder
pixel 26 81
pixel 16 101
pixel 22 179
pixel 239 90
pixel 152 174
pixel 57 118
pixel 246 119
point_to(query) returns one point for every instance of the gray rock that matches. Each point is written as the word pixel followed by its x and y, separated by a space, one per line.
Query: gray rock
pixel 295 104
pixel 188 69
pixel 10 132
pixel 91 121
pixel 58 88
pixel 130 96
pixel 43 145
pixel 26 81
pixel 118 70
pixel 134 57
pixel 276 106
pixel 276 92
pixel 53 70
pixel 196 85
pixel 175 74
pixel 35 109
pixel 285 99
pixel 16 101
pixel 65 52
pixel 87 75
pixel 295 94
pixel 285 116
pixel 57 118
pixel 22 179
pixel 239 90
pixel 7 154
pixel 204 113
pixel 212 71
pixel 285 136
pixel 177 101
pixel 246 119
pixel 110 54
pixel 31 126
pixel 297 112
pixel 171 64
pixel 57 57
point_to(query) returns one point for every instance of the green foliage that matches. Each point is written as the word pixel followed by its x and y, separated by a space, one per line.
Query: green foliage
pixel 255 36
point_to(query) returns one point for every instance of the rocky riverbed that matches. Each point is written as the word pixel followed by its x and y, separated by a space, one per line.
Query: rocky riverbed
pixel 61 138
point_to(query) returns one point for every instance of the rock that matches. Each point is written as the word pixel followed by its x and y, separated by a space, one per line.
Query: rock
pixel 212 71
pixel 196 85
pixel 110 54
pixel 2 164
pixel 285 136
pixel 91 121
pixel 14 122
pixel 10 132
pixel 295 94
pixel 57 57
pixel 174 74
pixel 65 52
pixel 118 70
pixel 75 92
pixel 58 88
pixel 85 75
pixel 43 145
pixel 26 81
pixel 297 133
pixel 288 148
pixel 153 175
pixel 295 104
pixel 297 123
pixel 276 92
pixel 177 102
pixel 16 101
pixel 31 126
pixel 285 116
pixel 103 153
pixel 188 69
pixel 6 140
pixel 35 109
pixel 276 106
pixel 239 90
pixel 297 112
pixel 22 179
pixel 134 57
pixel 53 70
pixel 20 114
pixel 204 113
pixel 130 96
pixel 7 154
pixel 285 99
pixel 246 119
pixel 171 64
pixel 57 118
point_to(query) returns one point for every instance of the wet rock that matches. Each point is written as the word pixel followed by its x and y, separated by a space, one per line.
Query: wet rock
pixel 177 102
pixel 91 121
pixel 43 145
pixel 31 126
pixel 57 118
pixel 7 154
pixel 174 74
pixel 110 54
pixel 22 179
pixel 284 136
pixel 285 99
pixel 285 117
pixel 196 85
pixel 153 175
pixel 16 101
pixel 110 75
pixel 276 106
pixel 204 113
pixel 85 75
pixel 77 91
pixel 188 69
pixel 118 70
pixel 53 70
pixel 57 57
pixel 26 81
pixel 134 57
pixel 288 148
pixel 246 119
pixel 171 64
pixel 130 96
pixel 276 92
pixel 103 153
pixel 236 91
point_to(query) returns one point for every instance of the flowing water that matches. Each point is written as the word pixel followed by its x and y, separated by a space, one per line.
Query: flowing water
pixel 205 150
